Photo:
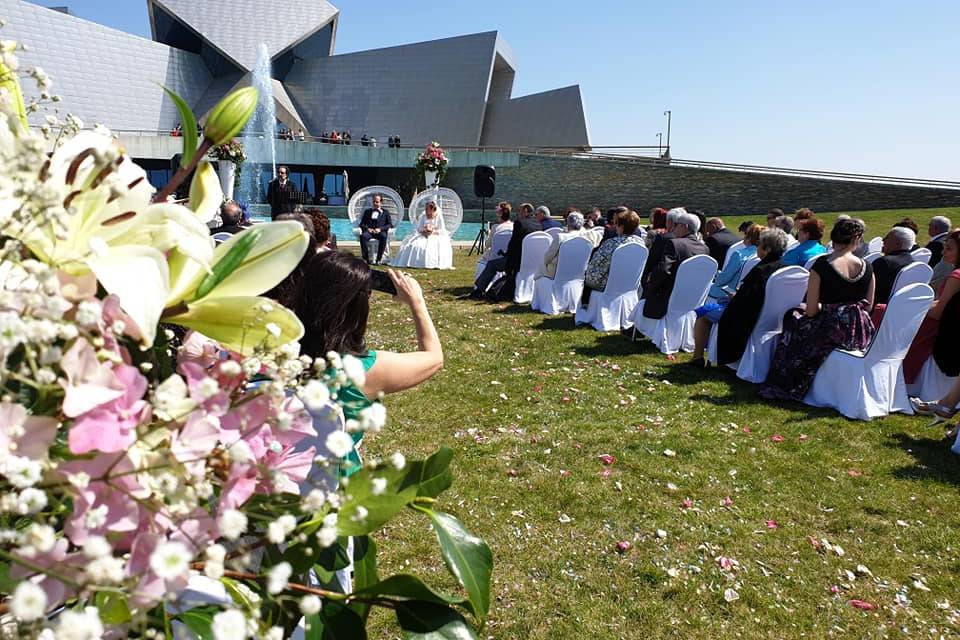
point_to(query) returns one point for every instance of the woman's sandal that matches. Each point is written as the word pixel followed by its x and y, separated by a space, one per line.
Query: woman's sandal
pixel 932 409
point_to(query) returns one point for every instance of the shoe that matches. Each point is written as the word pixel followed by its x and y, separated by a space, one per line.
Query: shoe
pixel 932 409
pixel 698 363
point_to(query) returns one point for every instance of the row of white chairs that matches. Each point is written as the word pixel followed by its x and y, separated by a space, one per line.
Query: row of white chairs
pixel 860 385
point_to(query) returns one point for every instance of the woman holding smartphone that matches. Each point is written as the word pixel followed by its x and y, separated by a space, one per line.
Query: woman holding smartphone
pixel 334 306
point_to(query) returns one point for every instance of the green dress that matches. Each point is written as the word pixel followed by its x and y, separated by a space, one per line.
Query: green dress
pixel 353 402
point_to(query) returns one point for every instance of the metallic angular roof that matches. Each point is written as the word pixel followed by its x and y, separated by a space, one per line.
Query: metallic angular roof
pixel 236 27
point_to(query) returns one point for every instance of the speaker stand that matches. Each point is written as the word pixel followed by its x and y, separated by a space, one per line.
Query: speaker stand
pixel 481 239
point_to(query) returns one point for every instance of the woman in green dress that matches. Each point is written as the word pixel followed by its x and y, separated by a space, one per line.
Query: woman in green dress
pixel 334 307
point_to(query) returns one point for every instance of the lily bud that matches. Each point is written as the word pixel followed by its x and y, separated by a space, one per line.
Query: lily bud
pixel 10 82
pixel 230 115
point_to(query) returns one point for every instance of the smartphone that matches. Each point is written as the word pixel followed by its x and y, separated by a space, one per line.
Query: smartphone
pixel 380 281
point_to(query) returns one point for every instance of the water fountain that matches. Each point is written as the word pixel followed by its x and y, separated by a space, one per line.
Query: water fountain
pixel 259 137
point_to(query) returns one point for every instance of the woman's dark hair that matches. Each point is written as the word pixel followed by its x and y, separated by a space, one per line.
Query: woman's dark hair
pixel 613 212
pixel 658 218
pixel 287 292
pixel 744 226
pixel 334 305
pixel 813 227
pixel 846 231
pixel 909 223
pixel 954 237
pixel 321 227
pixel 303 219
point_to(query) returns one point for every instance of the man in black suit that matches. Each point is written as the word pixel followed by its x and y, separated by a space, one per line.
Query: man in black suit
pixel 281 194
pixel 662 276
pixel 938 230
pixel 509 263
pixel 375 224
pixel 896 255
pixel 719 239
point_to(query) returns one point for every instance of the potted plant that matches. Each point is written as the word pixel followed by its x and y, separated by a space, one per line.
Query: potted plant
pixel 230 156
pixel 432 163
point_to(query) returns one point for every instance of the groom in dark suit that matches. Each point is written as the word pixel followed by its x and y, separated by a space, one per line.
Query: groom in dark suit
pixel 281 193
pixel 659 283
pixel 375 224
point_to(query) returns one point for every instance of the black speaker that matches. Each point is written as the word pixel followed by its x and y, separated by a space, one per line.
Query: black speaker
pixel 484 181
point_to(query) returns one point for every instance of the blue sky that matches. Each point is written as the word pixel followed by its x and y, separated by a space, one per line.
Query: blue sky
pixel 870 87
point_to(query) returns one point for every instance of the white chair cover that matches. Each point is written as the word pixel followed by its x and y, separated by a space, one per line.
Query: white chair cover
pixel 810 262
pixel 932 383
pixel 785 290
pixel 913 273
pixel 726 258
pixel 555 231
pixel 875 245
pixel 561 294
pixel 921 255
pixel 866 385
pixel 870 257
pixel 363 200
pixel 747 267
pixel 498 242
pixel 612 309
pixel 220 238
pixel 447 201
pixel 535 246
pixel 674 331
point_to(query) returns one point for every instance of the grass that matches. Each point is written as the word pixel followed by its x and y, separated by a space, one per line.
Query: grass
pixel 530 404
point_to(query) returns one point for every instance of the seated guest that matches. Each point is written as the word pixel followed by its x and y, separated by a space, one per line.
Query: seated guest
pixel 718 239
pixel 837 316
pixel 938 230
pixel 725 282
pixel 326 240
pixel 683 245
pixel 896 255
pixel 786 223
pixel 509 262
pixel 551 257
pixel 592 218
pixel 744 226
pixel 772 216
pixel 736 316
pixel 334 307
pixel 598 269
pixel 610 229
pixel 655 242
pixel 375 224
pixel 803 213
pixel 503 221
pixel 911 224
pixel 702 218
pixel 809 233
pixel 658 220
pixel 542 215
pixel 230 218
pixel 922 345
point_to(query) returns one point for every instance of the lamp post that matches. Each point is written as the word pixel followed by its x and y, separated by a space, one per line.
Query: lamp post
pixel 669 115
pixel 660 144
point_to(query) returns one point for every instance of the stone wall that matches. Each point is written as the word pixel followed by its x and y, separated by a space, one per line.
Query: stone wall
pixel 563 182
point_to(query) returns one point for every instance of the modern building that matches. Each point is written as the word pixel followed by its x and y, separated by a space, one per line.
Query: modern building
pixel 456 90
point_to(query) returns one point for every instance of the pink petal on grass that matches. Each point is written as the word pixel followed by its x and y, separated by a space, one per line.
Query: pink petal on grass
pixel 862 604
pixel 772 524
pixel 776 438
pixel 726 502
pixel 623 546
pixel 687 503
pixel 608 459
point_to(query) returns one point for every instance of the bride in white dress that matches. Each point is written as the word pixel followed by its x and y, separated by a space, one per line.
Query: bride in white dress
pixel 429 246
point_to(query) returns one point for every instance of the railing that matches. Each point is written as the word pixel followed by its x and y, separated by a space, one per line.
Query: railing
pixel 639 154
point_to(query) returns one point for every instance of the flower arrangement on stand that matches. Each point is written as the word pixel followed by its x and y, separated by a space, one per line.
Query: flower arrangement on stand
pixel 168 460
pixel 432 164
pixel 230 156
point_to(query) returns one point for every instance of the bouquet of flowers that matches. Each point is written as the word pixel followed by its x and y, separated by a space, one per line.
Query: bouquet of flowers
pixel 433 158
pixel 167 458
pixel 230 151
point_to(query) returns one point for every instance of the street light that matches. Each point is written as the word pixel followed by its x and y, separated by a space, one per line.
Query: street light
pixel 669 115
pixel 660 144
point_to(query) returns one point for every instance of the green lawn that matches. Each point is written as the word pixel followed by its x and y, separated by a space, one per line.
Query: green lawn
pixel 836 511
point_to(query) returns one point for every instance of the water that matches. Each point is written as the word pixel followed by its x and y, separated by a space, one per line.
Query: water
pixel 259 140
pixel 343 228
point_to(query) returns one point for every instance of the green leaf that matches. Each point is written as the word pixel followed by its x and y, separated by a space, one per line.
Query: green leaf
pixel 113 608
pixel 229 262
pixel 433 475
pixel 330 560
pixel 467 557
pixel 335 621
pixel 364 570
pixel 7 584
pixel 236 594
pixel 380 508
pixel 199 621
pixel 406 587
pixel 189 122
pixel 428 621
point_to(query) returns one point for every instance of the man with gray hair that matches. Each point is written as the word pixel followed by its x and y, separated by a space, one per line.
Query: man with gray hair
pixel 659 282
pixel 938 230
pixel 574 229
pixel 786 224
pixel 542 215
pixel 896 255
